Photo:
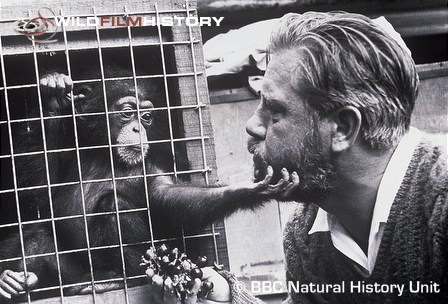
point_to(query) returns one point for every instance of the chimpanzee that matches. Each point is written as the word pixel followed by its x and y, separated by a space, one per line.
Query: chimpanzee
pixel 128 131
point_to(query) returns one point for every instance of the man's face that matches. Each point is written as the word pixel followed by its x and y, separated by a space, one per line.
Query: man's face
pixel 285 134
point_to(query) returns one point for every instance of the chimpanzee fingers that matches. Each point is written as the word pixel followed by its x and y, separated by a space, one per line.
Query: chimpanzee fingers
pixel 68 83
pixel 63 88
pixel 56 85
pixel 51 85
pixel 79 97
pixel 286 188
pixel 4 294
pixel 265 182
pixel 280 186
pixel 269 173
pixel 60 85
pixel 12 282
pixel 289 189
pixel 64 103
pixel 10 286
pixel 285 174
pixel 270 190
pixel 295 178
pixel 17 276
pixel 43 83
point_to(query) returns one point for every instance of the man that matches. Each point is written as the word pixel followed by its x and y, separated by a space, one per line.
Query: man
pixel 336 107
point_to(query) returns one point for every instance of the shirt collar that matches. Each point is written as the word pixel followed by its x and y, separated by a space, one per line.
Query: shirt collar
pixel 321 222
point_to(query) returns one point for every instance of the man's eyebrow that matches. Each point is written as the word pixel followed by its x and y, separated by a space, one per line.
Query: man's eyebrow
pixel 271 101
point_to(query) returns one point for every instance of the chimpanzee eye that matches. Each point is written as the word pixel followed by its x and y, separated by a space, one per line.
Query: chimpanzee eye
pixel 127 112
pixel 146 117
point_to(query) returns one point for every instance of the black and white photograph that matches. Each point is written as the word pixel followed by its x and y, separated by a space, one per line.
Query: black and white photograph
pixel 213 151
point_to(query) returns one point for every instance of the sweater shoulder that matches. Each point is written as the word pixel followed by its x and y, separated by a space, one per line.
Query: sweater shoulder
pixel 424 190
pixel 430 160
pixel 434 161
pixel 301 220
pixel 296 231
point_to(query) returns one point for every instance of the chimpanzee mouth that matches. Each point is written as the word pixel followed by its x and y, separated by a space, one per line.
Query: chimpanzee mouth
pixel 132 155
pixel 138 148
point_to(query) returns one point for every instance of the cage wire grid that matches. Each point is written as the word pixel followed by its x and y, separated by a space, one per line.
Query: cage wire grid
pixel 199 106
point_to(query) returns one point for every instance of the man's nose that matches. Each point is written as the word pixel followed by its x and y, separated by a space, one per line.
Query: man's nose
pixel 255 127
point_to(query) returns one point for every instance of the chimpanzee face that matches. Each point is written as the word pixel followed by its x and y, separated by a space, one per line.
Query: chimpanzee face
pixel 128 130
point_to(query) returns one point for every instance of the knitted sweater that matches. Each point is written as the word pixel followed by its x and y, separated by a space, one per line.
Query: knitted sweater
pixel 414 246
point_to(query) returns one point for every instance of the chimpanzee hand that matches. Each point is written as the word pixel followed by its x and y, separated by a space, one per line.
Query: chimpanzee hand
pixel 55 89
pixel 284 187
pixel 163 292
pixel 283 190
pixel 11 283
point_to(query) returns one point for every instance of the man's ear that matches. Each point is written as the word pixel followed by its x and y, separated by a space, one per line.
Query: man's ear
pixel 347 123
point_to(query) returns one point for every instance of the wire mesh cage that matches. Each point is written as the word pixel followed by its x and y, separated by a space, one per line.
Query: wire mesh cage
pixel 56 158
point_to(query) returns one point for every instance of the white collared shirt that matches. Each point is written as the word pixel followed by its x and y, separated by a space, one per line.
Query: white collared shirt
pixel 389 185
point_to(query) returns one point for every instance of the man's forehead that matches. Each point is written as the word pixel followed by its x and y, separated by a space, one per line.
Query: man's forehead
pixel 273 90
pixel 277 79
pixel 281 64
pixel 268 86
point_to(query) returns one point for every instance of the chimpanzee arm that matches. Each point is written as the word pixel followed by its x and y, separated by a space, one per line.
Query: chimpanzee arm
pixel 59 132
pixel 54 88
pixel 12 276
pixel 203 205
pixel 31 170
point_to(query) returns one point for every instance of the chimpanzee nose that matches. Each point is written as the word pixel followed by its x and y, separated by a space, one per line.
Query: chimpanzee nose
pixel 135 127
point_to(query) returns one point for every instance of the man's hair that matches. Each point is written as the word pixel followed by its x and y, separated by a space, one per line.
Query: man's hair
pixel 346 59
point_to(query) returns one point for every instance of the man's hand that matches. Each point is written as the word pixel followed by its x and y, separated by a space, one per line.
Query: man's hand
pixel 164 292
pixel 11 283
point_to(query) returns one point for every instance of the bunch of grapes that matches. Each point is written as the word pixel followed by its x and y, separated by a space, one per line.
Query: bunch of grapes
pixel 177 266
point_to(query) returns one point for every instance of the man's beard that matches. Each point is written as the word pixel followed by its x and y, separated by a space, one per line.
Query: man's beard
pixel 311 163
